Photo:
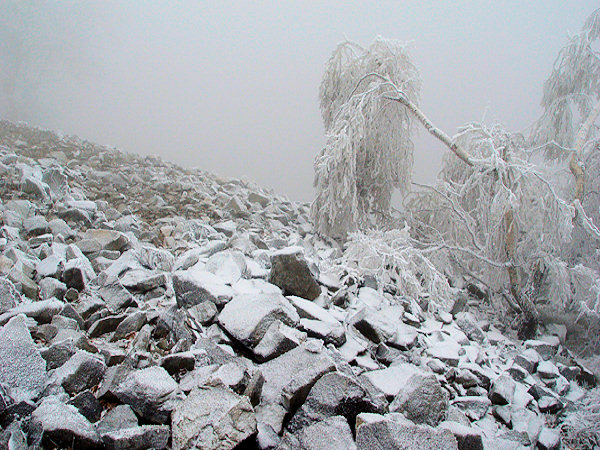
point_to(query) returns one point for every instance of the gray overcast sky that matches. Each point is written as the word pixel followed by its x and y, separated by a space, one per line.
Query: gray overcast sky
pixel 232 87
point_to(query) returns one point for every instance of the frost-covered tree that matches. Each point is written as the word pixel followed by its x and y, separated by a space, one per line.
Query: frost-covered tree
pixel 368 151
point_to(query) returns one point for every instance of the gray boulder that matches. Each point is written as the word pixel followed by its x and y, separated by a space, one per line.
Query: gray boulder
pixel 57 424
pixel 376 432
pixel 247 317
pixel 138 438
pixel 290 271
pixel 212 417
pixel 82 371
pixel 332 433
pixel 22 368
pixel 422 400
pixel 150 392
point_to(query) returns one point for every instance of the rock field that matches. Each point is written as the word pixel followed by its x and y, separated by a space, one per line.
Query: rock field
pixel 145 305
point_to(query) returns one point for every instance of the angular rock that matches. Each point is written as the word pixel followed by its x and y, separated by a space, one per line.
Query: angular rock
pixel 278 339
pixel 196 286
pixel 9 296
pixel 248 317
pixel 131 324
pixel 57 424
pixel 502 390
pixel 290 271
pixel 87 405
pixel 332 433
pixel 549 439
pixel 212 417
pixel 468 438
pixel 117 418
pixel 528 359
pixel 82 371
pixel 474 407
pixel 22 368
pixel 422 400
pixel 289 377
pixel 138 438
pixel 334 394
pixel 376 432
pixel 469 326
pixel 150 392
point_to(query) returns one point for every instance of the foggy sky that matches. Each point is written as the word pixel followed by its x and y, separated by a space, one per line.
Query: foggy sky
pixel 232 87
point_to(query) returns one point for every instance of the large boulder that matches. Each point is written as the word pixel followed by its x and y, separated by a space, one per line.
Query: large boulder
pixel 422 400
pixel 58 425
pixel 82 371
pixel 196 286
pixel 150 392
pixel 22 368
pixel 334 394
pixel 247 317
pixel 290 271
pixel 212 417
pixel 332 433
pixel 376 432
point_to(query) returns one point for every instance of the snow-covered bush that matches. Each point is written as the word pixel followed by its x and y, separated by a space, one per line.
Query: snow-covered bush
pixel 581 425
pixel 393 257
pixel 368 151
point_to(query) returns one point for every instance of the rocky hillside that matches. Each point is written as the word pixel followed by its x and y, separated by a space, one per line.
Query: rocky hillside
pixel 143 305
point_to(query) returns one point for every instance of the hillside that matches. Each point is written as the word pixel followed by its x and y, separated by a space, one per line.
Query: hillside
pixel 146 305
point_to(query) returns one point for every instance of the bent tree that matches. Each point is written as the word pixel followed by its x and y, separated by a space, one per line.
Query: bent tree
pixel 496 216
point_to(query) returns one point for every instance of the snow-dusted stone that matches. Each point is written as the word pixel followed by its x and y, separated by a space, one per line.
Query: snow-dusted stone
pixel 422 400
pixel 195 286
pixel 278 339
pixel 547 370
pixel 153 258
pixel 203 313
pixel 117 418
pixel 475 407
pixel 60 227
pixel 549 404
pixel 378 326
pixel 330 333
pixel 404 338
pixel 546 347
pixel 138 438
pixel 41 311
pixel 468 438
pixel 502 390
pixel 77 273
pixel 445 351
pixel 131 324
pixel 549 439
pixel 176 362
pixel 58 353
pixel 228 265
pixel 247 317
pixel 143 280
pixel 332 433
pixel 116 297
pixel 391 380
pixel 9 295
pixel 290 271
pixel 212 417
pixel 107 239
pixel 468 324
pixel 57 424
pixel 334 394
pixel 36 226
pixel 256 197
pixel 22 368
pixel 528 359
pixel 528 423
pixel 227 228
pixel 150 392
pixel 51 287
pixel 106 324
pixel 88 405
pixel 82 371
pixel 376 432
pixel 289 377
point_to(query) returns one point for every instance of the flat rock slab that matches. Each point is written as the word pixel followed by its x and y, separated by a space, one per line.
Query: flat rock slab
pixel 212 417
pixel 22 368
